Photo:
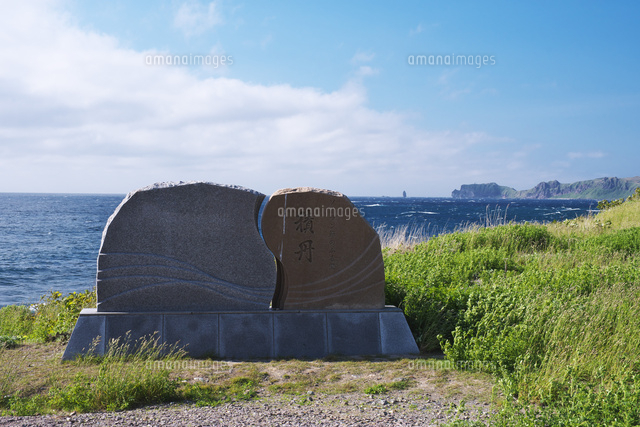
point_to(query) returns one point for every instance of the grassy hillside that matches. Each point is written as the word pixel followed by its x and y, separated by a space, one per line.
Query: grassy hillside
pixel 626 215
pixel 552 311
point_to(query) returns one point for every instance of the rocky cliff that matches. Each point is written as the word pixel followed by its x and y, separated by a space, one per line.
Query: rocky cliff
pixel 598 189
pixel 489 191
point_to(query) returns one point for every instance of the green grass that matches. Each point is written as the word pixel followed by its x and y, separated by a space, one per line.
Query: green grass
pixel 34 381
pixel 120 380
pixel 118 386
pixel 433 281
pixel 386 387
pixel 241 388
pixel 53 318
pixel 550 310
pixel 376 389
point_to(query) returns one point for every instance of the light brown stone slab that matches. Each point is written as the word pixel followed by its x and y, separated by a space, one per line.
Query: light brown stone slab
pixel 328 255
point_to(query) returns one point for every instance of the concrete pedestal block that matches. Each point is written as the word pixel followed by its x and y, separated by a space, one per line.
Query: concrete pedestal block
pixel 300 334
pixel 246 335
pixel 88 328
pixel 252 335
pixel 200 332
pixel 354 333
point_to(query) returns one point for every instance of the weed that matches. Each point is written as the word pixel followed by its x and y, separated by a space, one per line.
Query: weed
pixel 55 316
pixel 118 386
pixel 240 388
pixel 376 389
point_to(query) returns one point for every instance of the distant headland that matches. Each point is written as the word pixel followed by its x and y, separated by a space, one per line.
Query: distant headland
pixel 597 189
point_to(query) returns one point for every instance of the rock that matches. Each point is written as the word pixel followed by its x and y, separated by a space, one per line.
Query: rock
pixel 185 247
pixel 328 256
pixel 600 188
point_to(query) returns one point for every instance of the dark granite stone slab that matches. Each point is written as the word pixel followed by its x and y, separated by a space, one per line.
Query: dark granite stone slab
pixel 185 247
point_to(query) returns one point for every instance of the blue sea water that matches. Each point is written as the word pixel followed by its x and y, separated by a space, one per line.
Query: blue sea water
pixel 443 215
pixel 51 241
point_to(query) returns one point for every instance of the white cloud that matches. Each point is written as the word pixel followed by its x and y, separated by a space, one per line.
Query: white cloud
pixel 193 18
pixel 367 71
pixel 450 85
pixel 363 70
pixel 420 28
pixel 80 113
pixel 589 155
pixel 360 57
pixel 416 30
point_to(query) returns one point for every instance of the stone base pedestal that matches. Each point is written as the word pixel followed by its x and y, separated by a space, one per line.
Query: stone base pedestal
pixel 253 334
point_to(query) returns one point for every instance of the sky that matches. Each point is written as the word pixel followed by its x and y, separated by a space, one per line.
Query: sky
pixel 366 98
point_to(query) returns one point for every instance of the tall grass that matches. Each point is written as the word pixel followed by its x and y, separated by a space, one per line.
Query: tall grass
pixel 551 310
pixel 123 380
pixel 407 236
pixel 403 237
pixel 127 376
pixel 118 386
pixel 8 373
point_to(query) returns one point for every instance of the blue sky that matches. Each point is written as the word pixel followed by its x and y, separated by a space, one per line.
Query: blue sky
pixel 317 94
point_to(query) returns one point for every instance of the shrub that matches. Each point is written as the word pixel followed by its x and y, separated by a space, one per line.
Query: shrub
pixel 550 314
pixel 55 316
pixel 9 342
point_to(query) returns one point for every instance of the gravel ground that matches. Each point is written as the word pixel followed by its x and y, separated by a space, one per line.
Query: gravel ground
pixel 393 409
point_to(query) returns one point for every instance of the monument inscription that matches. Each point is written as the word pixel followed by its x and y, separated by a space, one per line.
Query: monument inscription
pixel 328 256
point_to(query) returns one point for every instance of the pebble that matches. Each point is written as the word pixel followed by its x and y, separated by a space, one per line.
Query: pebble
pixel 355 410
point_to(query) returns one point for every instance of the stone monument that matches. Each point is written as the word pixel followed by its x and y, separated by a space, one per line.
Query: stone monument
pixel 184 263
pixel 328 255
pixel 185 247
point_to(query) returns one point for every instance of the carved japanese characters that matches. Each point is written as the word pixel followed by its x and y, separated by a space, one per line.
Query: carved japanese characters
pixel 328 256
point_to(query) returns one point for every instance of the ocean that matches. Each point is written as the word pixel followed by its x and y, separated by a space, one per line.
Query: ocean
pixel 51 241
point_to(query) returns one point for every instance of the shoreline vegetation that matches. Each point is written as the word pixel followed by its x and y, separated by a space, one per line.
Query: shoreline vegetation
pixel 535 324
